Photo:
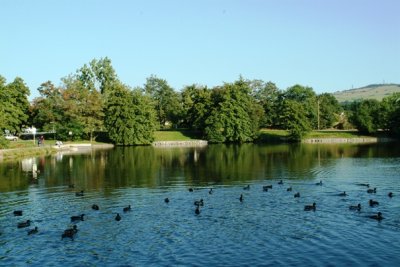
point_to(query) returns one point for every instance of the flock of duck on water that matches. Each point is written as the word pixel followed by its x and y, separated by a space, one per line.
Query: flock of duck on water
pixel 71 231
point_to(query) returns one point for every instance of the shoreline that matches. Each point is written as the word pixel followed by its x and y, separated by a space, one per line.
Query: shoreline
pixel 14 153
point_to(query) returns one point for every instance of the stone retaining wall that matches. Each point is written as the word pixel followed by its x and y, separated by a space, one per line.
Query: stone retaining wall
pixel 191 143
pixel 346 140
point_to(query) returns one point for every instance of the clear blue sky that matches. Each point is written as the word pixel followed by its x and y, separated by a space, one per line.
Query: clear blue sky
pixel 328 45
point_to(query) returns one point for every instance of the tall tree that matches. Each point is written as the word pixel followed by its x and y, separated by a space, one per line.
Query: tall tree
pixel 196 105
pixel 129 116
pixel 328 111
pixel 234 114
pixel 266 94
pixel 15 104
pixel 366 115
pixel 166 100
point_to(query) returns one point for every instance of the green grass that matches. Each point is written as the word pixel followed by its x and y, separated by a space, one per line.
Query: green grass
pixel 336 134
pixel 178 135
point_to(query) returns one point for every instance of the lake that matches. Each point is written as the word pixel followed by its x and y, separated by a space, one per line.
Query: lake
pixel 266 228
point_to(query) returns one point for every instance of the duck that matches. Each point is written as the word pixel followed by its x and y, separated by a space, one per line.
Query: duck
pixel 310 207
pixel 33 231
pixel 190 189
pixel 371 190
pixel 297 194
pixel 77 218
pixel 377 216
pixel 24 224
pixel 95 207
pixel 197 210
pixel 79 194
pixel 166 200
pixel 289 189
pixel 280 182
pixel 390 194
pixel 246 187
pixel 126 209
pixel 363 184
pixel 319 183
pixel 199 202
pixel 118 217
pixel 373 203
pixel 357 207
pixel 70 232
pixel 343 194
pixel 241 198
pixel 266 187
pixel 211 191
pixel 17 212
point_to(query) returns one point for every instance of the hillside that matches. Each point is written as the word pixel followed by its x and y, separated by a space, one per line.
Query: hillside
pixel 373 91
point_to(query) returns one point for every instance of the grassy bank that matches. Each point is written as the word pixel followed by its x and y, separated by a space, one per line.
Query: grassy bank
pixel 178 135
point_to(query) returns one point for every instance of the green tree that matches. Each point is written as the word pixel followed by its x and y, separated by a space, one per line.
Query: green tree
pixel 166 101
pixel 129 116
pixel 234 115
pixel 15 104
pixel 365 115
pixel 329 110
pixel 266 94
pixel 196 101
pixel 294 119
pixel 390 114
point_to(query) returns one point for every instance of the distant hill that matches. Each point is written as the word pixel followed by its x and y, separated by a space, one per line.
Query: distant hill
pixel 373 91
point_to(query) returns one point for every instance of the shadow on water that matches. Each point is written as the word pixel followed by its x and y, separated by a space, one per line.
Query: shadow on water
pixel 156 167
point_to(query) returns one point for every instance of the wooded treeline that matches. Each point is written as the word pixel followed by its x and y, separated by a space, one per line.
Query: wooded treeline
pixel 94 100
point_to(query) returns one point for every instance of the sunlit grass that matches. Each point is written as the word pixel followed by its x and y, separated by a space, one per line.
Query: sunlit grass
pixel 180 135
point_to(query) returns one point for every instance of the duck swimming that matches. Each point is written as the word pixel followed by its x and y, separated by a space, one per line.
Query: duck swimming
pixel 211 191
pixel 377 216
pixel 118 217
pixel 199 202
pixel 319 183
pixel 362 184
pixel 70 232
pixel 24 224
pixel 373 203
pixel 197 210
pixel 343 194
pixel 77 218
pixel 310 207
pixel 371 190
pixel 95 207
pixel 126 209
pixel 357 207
pixel 241 198
pixel 166 200
pixel 390 194
pixel 289 189
pixel 33 231
pixel 280 182
pixel 266 187
pixel 190 189
pixel 246 187
pixel 297 194
pixel 79 194
pixel 17 212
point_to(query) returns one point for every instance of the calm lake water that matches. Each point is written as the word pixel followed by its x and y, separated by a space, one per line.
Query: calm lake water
pixel 267 228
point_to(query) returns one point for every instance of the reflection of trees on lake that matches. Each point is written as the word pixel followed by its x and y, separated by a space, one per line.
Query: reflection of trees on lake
pixel 151 167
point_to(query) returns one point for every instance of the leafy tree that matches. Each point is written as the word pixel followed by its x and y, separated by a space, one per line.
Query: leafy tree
pixel 266 94
pixel 46 110
pixel 329 110
pixel 129 116
pixel 15 104
pixel 196 106
pixel 294 119
pixel 98 75
pixel 390 114
pixel 166 100
pixel 234 114
pixel 365 115
pixel 308 99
